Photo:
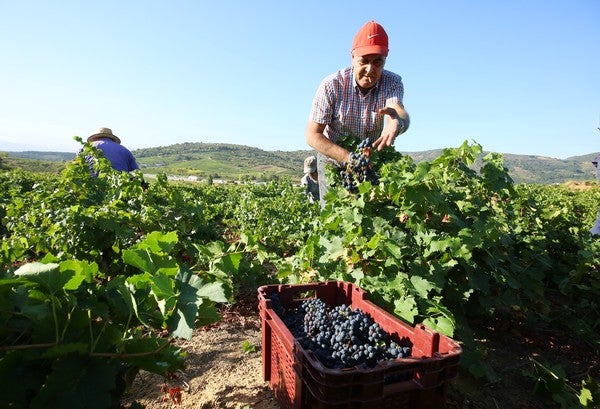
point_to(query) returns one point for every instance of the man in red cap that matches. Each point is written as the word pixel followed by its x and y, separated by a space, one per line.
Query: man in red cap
pixel 363 100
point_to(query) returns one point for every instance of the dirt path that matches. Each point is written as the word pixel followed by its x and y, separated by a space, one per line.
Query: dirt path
pixel 219 374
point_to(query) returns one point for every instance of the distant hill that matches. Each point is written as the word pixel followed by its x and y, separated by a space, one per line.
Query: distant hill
pixel 221 160
pixel 544 170
pixel 533 168
pixel 233 162
pixel 43 155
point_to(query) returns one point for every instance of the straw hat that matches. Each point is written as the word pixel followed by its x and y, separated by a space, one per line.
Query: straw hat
pixel 104 133
pixel 310 164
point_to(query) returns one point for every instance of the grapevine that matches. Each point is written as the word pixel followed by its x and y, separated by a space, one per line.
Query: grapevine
pixel 440 241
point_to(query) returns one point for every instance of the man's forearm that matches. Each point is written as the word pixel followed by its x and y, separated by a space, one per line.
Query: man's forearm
pixel 323 145
pixel 318 141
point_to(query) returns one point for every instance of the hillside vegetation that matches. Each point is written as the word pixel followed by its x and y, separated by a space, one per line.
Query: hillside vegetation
pixel 236 162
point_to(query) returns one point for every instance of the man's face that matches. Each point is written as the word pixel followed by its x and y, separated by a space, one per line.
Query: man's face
pixel 367 69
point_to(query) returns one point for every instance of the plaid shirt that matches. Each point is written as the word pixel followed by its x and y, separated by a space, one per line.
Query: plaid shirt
pixel 344 110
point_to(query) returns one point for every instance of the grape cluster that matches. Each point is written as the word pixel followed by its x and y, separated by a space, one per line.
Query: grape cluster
pixel 342 337
pixel 359 167
pixel 276 304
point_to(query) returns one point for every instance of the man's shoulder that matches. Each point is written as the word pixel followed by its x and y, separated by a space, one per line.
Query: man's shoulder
pixel 340 76
pixel 390 82
pixel 391 76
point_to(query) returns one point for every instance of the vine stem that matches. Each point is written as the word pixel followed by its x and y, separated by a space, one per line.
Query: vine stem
pixel 132 355
pixel 56 330
pixel 69 316
pixel 91 354
pixel 552 374
pixel 28 346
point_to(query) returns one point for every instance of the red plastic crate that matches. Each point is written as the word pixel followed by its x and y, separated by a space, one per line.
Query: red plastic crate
pixel 299 380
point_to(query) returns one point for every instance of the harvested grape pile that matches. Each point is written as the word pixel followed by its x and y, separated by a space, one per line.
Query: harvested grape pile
pixel 341 337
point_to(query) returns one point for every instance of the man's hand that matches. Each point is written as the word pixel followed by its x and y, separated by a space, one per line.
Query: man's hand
pixel 394 126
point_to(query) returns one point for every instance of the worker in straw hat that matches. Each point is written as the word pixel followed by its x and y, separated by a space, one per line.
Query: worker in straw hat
pixel 119 156
pixel 363 100
pixel 311 179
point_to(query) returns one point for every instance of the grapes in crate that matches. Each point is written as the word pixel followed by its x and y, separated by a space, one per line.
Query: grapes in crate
pixel 340 337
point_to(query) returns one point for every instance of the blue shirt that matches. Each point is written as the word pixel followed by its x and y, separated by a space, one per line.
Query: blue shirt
pixel 119 156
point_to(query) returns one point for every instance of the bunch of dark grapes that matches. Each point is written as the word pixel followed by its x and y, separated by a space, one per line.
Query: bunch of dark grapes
pixel 342 337
pixel 359 167
pixel 276 305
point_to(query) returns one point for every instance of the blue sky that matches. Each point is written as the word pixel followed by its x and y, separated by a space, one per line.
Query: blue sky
pixel 515 76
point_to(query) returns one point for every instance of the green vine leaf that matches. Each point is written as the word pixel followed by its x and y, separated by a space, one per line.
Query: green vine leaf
pixel 48 275
pixel 406 308
pixel 77 382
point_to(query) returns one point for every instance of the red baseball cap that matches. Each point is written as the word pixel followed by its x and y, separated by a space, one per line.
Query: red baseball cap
pixel 370 39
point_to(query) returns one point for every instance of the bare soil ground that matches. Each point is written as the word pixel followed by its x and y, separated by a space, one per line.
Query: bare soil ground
pixel 219 373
